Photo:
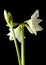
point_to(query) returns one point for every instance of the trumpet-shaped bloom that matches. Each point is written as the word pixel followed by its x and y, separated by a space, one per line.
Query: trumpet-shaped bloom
pixel 33 23
pixel 17 32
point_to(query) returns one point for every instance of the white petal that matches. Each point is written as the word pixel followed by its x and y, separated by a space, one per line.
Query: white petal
pixel 29 28
pixel 35 15
pixel 38 28
pixel 18 33
pixel 10 36
pixel 39 21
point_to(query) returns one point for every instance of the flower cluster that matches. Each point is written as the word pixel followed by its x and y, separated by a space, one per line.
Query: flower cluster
pixel 32 25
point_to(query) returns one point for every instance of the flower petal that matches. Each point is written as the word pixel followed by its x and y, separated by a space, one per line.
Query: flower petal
pixel 35 15
pixel 10 36
pixel 29 29
pixel 39 21
pixel 18 33
pixel 38 28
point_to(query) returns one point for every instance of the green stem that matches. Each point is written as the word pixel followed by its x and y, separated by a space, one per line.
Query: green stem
pixel 22 46
pixel 16 45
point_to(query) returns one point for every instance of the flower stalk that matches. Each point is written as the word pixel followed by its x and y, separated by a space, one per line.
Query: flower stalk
pixel 16 46
pixel 10 24
pixel 22 46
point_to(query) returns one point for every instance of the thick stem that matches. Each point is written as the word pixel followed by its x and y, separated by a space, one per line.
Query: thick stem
pixel 16 45
pixel 22 46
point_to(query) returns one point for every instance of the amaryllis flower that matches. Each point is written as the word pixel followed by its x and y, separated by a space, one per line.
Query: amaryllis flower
pixel 17 32
pixel 33 24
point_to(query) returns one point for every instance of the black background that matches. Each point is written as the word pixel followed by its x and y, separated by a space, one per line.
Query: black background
pixel 35 47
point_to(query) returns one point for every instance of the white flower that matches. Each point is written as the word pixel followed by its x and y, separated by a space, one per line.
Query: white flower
pixel 17 32
pixel 33 23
